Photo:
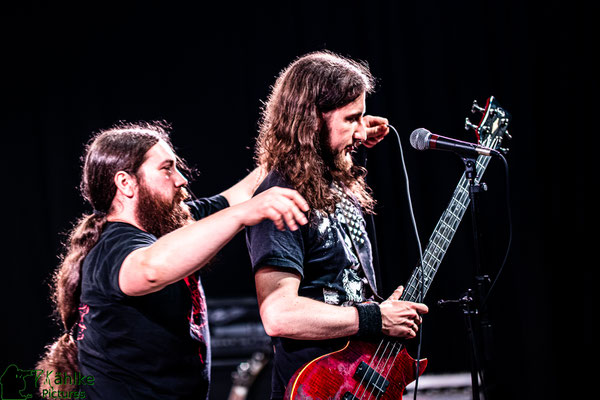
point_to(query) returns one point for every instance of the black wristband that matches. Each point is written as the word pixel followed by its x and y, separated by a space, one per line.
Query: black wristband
pixel 369 320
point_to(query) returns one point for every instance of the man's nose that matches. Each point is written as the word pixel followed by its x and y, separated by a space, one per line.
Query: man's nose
pixel 180 180
pixel 361 132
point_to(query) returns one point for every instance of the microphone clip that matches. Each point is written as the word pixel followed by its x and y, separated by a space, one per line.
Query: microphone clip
pixel 471 176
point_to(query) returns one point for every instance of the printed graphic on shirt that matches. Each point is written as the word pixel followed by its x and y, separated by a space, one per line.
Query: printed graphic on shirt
pixel 197 317
pixel 83 310
pixel 347 224
pixel 354 287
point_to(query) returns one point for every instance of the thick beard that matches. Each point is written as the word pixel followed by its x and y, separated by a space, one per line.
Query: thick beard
pixel 159 216
pixel 341 162
pixel 338 165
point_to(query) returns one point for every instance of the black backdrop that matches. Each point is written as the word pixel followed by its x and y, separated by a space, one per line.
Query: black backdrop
pixel 71 69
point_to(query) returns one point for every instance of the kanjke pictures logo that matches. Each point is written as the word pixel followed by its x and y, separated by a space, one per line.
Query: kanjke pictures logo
pixel 22 384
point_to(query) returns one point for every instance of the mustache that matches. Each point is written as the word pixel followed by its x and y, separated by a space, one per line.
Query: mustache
pixel 181 195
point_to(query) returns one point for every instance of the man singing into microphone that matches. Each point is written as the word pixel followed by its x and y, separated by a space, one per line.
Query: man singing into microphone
pixel 316 286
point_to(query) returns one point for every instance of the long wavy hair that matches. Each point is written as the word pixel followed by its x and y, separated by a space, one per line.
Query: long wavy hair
pixel 120 148
pixel 293 136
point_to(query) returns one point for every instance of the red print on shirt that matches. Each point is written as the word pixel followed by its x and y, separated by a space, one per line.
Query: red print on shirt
pixel 83 310
pixel 197 316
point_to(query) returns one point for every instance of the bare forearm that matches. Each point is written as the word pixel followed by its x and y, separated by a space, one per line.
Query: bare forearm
pixel 180 253
pixel 286 314
pixel 303 318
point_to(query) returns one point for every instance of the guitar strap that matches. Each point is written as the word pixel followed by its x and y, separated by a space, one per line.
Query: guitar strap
pixel 358 236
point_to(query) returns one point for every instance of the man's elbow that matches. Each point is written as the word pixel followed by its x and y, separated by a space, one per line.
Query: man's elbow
pixel 276 321
pixel 151 275
pixel 140 276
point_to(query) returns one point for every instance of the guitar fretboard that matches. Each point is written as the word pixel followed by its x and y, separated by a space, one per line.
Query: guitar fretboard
pixel 415 289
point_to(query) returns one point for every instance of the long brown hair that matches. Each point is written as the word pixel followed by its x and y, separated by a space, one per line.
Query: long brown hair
pixel 293 134
pixel 120 148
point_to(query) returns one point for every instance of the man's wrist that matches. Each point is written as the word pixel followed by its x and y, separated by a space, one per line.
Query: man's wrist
pixel 369 320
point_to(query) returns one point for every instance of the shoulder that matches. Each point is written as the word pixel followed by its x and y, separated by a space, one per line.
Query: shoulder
pixel 100 269
pixel 122 231
pixel 117 241
pixel 273 178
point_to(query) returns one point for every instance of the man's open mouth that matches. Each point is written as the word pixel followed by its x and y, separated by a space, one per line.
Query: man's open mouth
pixel 351 148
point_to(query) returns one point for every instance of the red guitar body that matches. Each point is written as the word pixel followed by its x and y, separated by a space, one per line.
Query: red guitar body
pixel 345 374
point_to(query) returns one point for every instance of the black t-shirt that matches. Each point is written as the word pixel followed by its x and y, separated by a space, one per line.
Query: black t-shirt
pixel 332 254
pixel 154 346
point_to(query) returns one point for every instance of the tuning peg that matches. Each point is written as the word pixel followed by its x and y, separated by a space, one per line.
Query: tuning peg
pixel 469 125
pixel 508 135
pixel 475 107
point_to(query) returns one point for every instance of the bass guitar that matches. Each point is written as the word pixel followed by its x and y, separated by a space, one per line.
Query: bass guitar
pixel 364 370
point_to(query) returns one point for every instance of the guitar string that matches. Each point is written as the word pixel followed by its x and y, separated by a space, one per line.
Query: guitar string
pixel 375 369
pixel 462 202
pixel 409 202
pixel 400 346
pixel 453 219
pixel 459 201
pixel 376 355
pixel 409 199
pixel 385 375
pixel 374 376
pixel 360 384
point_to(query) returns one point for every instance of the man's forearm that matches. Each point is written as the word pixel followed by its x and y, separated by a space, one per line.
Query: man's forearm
pixel 179 253
pixel 286 314
pixel 306 319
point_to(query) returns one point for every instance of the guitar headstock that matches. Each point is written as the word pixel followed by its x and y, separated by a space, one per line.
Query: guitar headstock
pixel 493 126
pixel 247 371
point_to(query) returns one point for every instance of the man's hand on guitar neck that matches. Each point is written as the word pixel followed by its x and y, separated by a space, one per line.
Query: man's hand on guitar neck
pixel 401 318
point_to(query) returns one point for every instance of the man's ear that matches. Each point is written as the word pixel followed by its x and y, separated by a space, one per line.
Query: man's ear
pixel 126 183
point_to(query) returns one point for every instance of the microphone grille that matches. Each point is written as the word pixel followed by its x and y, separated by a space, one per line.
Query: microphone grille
pixel 419 139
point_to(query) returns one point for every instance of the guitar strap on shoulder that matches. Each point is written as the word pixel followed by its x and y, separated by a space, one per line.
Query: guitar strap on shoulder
pixel 358 236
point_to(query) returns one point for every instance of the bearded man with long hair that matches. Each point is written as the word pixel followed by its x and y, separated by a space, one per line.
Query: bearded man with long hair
pixel 128 292
pixel 316 285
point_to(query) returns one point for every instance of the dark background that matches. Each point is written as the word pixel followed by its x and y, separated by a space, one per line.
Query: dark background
pixel 72 69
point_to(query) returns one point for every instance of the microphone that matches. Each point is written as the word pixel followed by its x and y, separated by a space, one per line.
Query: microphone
pixel 422 139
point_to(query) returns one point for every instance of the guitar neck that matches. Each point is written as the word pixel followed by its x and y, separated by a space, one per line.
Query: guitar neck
pixel 444 231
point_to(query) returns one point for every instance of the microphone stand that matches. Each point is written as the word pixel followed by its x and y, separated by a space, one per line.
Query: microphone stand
pixel 472 299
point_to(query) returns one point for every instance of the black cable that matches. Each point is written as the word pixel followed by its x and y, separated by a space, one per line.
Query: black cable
pixel 510 230
pixel 422 282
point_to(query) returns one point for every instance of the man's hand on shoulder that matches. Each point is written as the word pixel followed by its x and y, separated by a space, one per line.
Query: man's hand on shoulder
pixel 283 206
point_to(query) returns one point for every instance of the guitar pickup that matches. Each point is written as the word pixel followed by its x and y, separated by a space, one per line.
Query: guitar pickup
pixel 371 379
